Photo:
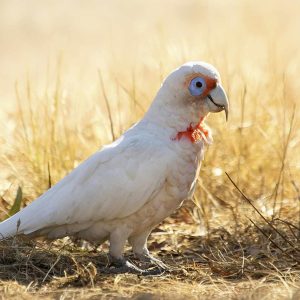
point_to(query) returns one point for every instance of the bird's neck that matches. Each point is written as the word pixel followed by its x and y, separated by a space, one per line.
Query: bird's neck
pixel 178 122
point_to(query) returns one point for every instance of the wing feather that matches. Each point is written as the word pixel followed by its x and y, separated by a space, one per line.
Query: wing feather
pixel 113 183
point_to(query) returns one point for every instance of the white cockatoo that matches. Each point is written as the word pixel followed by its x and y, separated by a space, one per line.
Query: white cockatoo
pixel 124 190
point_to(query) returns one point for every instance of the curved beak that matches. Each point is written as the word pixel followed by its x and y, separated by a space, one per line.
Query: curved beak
pixel 219 99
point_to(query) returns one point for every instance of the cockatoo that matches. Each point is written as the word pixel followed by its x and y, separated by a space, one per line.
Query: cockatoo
pixel 124 190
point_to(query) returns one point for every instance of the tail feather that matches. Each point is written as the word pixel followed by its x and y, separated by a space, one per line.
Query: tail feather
pixel 10 227
pixel 26 221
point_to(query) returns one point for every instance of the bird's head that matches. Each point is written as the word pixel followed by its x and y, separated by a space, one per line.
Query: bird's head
pixel 197 84
pixel 189 94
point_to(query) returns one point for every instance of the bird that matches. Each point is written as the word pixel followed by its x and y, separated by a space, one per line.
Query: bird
pixel 124 190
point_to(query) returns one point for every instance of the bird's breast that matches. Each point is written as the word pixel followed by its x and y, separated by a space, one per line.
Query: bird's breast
pixel 185 169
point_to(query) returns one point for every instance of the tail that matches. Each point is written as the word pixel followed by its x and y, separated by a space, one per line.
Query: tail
pixel 26 221
pixel 10 227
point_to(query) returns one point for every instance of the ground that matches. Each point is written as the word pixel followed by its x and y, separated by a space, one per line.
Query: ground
pixel 240 265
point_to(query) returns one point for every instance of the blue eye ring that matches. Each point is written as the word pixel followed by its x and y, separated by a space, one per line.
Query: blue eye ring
pixel 197 86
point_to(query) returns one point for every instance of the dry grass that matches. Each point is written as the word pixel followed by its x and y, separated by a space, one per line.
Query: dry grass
pixel 241 265
pixel 91 70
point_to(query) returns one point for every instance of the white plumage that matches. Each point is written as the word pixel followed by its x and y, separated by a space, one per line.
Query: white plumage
pixel 129 186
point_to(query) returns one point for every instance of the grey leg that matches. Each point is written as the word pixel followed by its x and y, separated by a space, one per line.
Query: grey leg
pixel 121 265
pixel 139 248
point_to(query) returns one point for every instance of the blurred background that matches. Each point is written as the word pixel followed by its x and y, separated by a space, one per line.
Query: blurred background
pixel 248 36
pixel 66 65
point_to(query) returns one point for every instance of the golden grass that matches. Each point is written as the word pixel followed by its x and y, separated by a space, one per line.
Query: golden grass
pixel 91 70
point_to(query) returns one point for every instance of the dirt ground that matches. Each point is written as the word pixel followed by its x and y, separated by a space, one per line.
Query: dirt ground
pixel 240 265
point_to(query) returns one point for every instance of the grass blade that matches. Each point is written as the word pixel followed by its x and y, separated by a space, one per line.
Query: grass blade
pixel 17 203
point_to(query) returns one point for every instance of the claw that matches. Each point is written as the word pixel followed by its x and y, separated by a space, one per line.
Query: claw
pixel 152 260
pixel 121 266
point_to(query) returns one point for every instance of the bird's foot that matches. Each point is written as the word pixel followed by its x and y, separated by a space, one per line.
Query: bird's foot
pixel 144 257
pixel 121 265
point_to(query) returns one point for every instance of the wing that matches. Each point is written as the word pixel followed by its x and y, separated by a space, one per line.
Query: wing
pixel 113 183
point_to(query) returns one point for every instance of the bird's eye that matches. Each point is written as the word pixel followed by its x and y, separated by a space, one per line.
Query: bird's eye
pixel 197 86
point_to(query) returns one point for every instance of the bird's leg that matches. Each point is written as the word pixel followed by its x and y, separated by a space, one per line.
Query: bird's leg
pixel 117 242
pixel 139 248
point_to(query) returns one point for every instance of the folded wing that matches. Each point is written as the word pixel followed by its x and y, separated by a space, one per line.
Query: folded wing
pixel 113 183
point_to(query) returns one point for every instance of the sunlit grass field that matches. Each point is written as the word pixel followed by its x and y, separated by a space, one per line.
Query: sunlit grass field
pixel 75 75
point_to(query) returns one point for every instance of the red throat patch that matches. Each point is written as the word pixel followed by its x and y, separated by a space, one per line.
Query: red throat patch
pixel 195 134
